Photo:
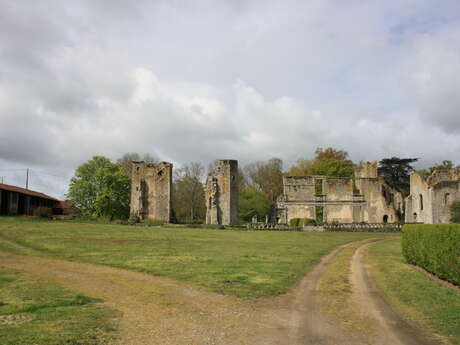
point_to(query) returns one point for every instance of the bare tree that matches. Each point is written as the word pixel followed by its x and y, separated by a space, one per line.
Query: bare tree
pixel 267 177
pixel 126 160
pixel 188 194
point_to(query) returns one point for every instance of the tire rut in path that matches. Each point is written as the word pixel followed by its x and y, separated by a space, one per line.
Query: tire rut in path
pixel 391 327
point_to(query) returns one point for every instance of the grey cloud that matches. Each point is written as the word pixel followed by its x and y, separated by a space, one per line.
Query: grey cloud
pixel 246 80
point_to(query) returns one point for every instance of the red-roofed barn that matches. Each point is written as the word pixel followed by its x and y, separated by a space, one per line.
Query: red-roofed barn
pixel 19 201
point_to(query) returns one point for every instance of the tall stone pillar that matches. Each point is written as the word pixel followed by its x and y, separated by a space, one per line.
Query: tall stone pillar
pixel 151 191
pixel 222 193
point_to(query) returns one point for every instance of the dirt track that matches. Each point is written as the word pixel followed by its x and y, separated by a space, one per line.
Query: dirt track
pixel 391 327
pixel 161 311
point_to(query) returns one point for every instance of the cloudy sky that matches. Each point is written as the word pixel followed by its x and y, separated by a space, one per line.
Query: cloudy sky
pixel 249 80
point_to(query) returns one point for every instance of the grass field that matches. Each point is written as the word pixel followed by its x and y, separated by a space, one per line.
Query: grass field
pixel 241 263
pixel 39 313
pixel 418 297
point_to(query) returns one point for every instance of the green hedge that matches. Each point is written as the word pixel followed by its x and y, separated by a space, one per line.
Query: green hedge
pixel 435 247
pixel 299 222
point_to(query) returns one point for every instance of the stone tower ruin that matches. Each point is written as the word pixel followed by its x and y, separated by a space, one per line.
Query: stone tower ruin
pixel 151 191
pixel 222 193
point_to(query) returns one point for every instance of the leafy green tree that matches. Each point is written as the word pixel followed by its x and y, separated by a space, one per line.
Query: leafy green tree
pixel 445 165
pixel 253 202
pixel 100 188
pixel 267 177
pixel 327 162
pixel 396 172
pixel 455 212
pixel 188 193
pixel 301 167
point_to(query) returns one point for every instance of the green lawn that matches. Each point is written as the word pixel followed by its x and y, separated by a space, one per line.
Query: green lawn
pixel 34 312
pixel 418 297
pixel 241 263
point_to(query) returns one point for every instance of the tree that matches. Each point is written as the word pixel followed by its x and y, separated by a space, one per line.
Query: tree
pixel 100 188
pixel 327 162
pixel 252 202
pixel 455 212
pixel 267 177
pixel 188 193
pixel 396 172
pixel 445 165
pixel 301 167
pixel 126 161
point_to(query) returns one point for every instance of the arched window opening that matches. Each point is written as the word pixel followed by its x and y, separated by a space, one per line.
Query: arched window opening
pixel 385 218
pixel 415 217
pixel 446 198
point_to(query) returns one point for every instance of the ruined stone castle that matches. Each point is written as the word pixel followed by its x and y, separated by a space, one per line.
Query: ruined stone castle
pixel 151 191
pixel 222 193
pixel 364 198
pixel 152 188
pixel 430 199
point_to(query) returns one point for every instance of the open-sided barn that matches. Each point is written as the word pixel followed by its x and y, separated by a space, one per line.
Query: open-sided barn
pixel 20 201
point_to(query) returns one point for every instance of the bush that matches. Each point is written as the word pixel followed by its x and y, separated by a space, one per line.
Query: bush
pixel 299 222
pixel 455 212
pixel 434 247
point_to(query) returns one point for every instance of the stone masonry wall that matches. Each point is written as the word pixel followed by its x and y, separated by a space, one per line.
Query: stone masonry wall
pixel 151 191
pixel 222 193
pixel 430 200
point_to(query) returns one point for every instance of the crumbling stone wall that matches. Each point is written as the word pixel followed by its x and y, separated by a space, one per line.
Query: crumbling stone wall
pixel 366 198
pixel 366 170
pixel 222 193
pixel 430 200
pixel 299 188
pixel 151 191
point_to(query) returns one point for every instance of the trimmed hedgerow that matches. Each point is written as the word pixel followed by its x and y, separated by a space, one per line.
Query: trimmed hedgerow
pixel 434 247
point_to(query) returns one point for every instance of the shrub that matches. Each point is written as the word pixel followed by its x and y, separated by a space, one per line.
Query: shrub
pixel 434 247
pixel 455 212
pixel 299 222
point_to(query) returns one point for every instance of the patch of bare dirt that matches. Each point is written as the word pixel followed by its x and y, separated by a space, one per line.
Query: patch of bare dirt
pixel 15 319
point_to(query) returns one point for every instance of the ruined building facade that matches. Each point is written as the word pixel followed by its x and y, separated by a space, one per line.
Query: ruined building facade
pixel 222 193
pixel 365 198
pixel 151 191
pixel 430 199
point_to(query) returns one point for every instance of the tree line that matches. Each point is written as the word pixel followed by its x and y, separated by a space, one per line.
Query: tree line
pixel 101 188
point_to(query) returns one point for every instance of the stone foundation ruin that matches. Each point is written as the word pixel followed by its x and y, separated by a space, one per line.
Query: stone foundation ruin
pixel 221 192
pixel 151 191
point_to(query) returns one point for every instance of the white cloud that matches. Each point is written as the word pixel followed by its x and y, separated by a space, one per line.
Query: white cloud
pixel 245 80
